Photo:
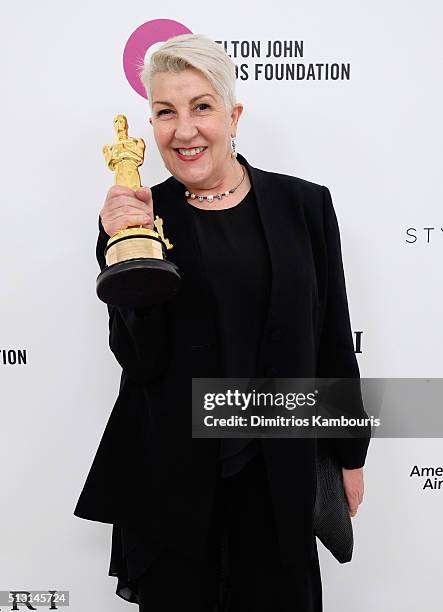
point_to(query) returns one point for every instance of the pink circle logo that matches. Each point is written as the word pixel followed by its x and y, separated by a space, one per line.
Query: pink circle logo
pixel 146 35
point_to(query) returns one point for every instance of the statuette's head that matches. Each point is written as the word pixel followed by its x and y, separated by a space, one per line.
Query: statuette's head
pixel 190 82
pixel 120 123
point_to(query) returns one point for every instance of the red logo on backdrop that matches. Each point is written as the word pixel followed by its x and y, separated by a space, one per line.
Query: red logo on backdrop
pixel 146 35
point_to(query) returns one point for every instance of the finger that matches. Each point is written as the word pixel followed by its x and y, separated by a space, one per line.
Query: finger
pixel 125 222
pixel 353 507
pixel 144 194
pixel 117 190
pixel 137 217
pixel 126 203
pixel 352 496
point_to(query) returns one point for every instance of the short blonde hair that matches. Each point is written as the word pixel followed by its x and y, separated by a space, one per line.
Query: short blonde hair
pixel 193 51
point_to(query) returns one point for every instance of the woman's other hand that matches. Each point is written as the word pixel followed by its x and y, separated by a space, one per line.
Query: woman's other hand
pixel 125 207
pixel 354 488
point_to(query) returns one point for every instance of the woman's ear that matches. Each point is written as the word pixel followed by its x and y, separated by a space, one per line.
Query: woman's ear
pixel 237 110
pixel 150 120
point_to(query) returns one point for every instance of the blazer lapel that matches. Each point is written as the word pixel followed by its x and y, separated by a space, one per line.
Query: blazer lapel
pixel 286 235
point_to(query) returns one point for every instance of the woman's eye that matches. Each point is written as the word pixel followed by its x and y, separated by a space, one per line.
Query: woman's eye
pixel 163 111
pixel 202 106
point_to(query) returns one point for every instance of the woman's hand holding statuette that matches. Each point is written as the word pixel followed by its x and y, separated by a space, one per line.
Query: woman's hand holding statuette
pixel 125 207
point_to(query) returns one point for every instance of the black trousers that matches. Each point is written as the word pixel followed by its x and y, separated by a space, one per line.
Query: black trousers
pixel 242 571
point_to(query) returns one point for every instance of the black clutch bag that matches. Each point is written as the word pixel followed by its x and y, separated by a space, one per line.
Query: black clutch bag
pixel 332 522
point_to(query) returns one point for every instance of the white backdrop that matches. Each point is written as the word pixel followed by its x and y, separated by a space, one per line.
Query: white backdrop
pixel 375 140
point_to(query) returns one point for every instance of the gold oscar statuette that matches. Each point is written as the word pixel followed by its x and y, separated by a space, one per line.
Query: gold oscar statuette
pixel 137 272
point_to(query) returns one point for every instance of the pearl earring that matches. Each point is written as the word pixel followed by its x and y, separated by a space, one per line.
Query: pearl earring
pixel 233 151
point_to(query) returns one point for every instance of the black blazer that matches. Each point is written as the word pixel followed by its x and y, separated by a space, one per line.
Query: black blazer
pixel 147 466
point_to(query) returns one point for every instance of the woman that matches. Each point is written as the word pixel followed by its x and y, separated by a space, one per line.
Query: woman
pixel 219 525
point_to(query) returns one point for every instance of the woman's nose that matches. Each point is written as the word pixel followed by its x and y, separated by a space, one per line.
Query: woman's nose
pixel 185 130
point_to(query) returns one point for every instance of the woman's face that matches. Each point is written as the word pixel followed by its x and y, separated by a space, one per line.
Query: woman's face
pixel 192 128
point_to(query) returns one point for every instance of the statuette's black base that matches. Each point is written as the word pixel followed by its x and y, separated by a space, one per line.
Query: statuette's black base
pixel 138 283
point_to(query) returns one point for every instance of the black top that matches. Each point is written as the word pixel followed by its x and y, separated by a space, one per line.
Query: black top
pixel 237 265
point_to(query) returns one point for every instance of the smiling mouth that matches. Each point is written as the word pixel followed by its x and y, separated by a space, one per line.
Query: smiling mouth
pixel 191 152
